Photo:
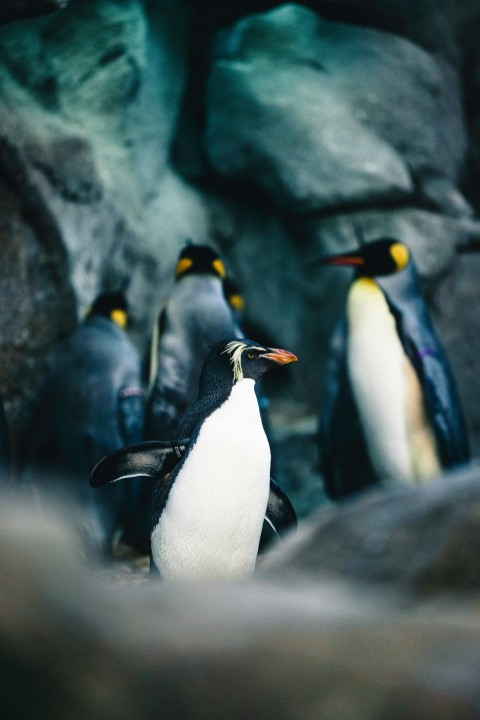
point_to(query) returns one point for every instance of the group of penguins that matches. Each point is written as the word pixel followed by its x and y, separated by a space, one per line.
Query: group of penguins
pixel 188 443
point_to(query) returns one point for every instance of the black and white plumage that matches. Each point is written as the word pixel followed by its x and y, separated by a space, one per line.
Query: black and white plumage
pixel 207 514
pixel 195 317
pixel 390 406
pixel 92 404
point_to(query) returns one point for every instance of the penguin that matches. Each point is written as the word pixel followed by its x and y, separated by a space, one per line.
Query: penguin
pixel 92 403
pixel 196 316
pixel 207 513
pixel 390 408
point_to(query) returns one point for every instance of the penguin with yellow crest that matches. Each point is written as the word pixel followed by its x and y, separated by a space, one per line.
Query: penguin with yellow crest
pixel 390 409
pixel 208 511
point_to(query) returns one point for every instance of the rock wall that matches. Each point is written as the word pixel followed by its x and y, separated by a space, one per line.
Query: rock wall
pixel 272 131
pixel 75 87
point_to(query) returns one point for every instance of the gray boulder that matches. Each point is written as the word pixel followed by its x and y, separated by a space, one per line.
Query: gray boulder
pixel 318 649
pixel 320 114
pixel 420 541
pixel 444 28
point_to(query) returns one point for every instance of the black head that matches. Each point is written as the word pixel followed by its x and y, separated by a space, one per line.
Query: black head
pixel 232 360
pixel 229 362
pixel 249 359
pixel 380 257
pixel 112 305
pixel 198 260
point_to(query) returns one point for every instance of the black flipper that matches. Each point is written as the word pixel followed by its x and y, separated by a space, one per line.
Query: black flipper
pixel 145 459
pixel 280 513
pixel 428 357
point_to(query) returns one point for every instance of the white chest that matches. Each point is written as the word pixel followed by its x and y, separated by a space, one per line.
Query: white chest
pixel 386 389
pixel 212 522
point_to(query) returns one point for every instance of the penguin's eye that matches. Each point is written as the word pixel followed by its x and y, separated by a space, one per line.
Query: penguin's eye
pixel 251 355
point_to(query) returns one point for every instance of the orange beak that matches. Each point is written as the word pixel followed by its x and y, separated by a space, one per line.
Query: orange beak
pixel 281 357
pixel 348 260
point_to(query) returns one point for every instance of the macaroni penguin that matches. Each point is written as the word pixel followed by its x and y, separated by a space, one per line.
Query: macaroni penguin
pixel 207 512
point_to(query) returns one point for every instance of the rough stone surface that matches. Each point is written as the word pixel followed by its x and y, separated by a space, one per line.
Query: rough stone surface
pixel 420 540
pixel 312 649
pixel 82 183
pixel 38 307
pixel 442 27
pixel 320 114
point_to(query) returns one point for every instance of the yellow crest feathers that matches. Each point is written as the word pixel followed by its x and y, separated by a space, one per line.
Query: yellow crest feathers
pixel 235 349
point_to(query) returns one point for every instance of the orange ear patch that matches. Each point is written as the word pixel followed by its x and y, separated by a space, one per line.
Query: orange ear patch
pixel 119 317
pixel 219 268
pixel 182 265
pixel 236 302
pixel 400 255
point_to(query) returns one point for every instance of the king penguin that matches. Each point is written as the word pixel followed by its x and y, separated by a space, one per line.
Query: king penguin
pixel 92 404
pixel 195 317
pixel 390 407
pixel 207 514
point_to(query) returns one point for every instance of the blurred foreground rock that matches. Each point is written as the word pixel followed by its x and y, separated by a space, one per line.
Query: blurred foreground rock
pixel 76 646
pixel 421 540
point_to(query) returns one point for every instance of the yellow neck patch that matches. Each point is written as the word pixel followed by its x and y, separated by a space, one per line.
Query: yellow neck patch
pixel 400 255
pixel 119 317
